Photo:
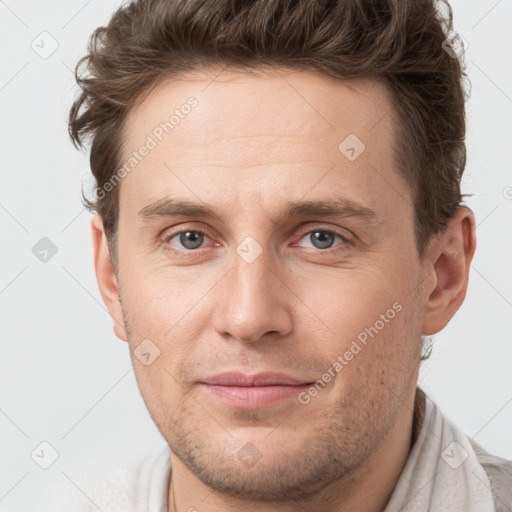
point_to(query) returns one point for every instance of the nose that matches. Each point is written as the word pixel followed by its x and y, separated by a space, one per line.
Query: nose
pixel 253 302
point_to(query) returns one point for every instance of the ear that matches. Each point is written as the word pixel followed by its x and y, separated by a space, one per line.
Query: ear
pixel 106 277
pixel 448 263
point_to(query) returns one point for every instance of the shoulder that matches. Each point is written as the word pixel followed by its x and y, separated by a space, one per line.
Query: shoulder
pixel 117 484
pixel 499 472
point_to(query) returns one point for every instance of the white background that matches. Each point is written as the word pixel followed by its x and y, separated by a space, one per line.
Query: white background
pixel 66 379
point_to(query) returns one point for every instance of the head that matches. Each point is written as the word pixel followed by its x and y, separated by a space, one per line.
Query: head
pixel 277 189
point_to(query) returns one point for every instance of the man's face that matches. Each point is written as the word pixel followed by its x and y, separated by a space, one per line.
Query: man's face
pixel 268 288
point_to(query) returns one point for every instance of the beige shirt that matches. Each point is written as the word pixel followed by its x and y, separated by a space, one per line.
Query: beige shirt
pixel 442 471
pixel 445 471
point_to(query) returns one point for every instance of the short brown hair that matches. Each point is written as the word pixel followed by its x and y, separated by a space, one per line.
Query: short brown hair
pixel 398 41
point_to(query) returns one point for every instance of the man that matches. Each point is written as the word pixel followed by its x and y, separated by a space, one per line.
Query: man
pixel 278 228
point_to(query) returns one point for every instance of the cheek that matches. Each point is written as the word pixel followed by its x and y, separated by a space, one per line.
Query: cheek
pixel 159 301
pixel 166 318
pixel 160 391
pixel 368 317
pixel 348 301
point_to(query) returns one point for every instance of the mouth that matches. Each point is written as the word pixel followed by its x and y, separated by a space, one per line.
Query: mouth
pixel 255 391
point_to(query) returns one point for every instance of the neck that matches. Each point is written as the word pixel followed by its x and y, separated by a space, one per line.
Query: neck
pixel 367 487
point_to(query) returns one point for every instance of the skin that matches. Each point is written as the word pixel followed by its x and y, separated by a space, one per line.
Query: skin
pixel 254 142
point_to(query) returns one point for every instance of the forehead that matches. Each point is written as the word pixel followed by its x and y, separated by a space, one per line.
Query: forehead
pixel 278 132
pixel 261 103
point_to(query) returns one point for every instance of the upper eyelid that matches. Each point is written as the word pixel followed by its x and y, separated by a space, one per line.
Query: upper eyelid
pixel 335 231
pixel 303 231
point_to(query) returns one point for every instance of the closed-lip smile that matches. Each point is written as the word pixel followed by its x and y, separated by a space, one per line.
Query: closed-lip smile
pixel 254 391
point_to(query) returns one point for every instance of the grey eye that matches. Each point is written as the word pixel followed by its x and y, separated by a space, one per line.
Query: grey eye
pixel 190 239
pixel 322 239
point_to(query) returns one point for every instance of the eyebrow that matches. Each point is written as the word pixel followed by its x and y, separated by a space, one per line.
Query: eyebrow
pixel 339 207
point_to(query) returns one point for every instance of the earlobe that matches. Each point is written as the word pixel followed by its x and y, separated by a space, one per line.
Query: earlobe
pixel 106 277
pixel 450 262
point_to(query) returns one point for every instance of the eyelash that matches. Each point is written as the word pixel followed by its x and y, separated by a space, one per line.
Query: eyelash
pixel 166 239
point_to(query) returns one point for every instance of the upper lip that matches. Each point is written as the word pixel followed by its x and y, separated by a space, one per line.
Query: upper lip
pixel 257 379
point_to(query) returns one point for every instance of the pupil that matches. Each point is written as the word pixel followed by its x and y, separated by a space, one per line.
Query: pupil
pixel 322 239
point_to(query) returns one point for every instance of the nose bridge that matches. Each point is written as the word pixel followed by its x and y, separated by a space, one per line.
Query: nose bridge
pixel 252 302
pixel 251 270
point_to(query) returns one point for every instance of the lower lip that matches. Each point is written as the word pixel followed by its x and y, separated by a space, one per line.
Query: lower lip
pixel 254 397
